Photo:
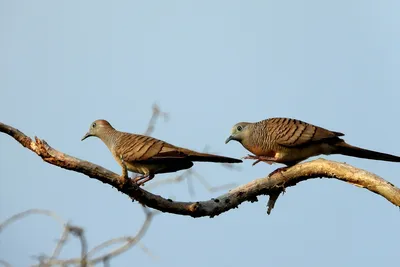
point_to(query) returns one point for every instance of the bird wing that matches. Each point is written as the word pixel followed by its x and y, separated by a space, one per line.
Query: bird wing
pixel 134 147
pixel 292 133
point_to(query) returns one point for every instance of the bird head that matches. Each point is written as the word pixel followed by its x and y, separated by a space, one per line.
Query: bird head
pixel 239 132
pixel 97 128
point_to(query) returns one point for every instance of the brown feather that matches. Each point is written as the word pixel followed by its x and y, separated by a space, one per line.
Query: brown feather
pixel 349 150
pixel 144 148
pixel 290 141
pixel 298 133
pixel 147 155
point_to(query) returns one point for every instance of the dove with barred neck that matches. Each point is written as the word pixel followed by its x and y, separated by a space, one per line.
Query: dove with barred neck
pixel 289 141
pixel 147 155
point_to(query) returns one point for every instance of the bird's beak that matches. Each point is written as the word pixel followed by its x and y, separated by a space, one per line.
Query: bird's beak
pixel 86 136
pixel 228 139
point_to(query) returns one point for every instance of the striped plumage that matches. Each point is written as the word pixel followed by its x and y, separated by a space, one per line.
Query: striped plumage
pixel 290 141
pixel 147 155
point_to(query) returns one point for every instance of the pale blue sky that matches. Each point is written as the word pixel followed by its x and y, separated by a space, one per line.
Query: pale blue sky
pixel 209 64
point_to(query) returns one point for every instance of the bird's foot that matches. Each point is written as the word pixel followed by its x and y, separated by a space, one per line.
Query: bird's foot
pixel 122 180
pixel 268 160
pixel 250 157
pixel 124 177
pixel 142 179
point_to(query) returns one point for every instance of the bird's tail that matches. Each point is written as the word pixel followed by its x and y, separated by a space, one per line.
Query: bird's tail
pixel 196 156
pixel 349 150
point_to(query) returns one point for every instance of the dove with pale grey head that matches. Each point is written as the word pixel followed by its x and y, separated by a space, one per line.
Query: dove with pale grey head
pixel 147 155
pixel 289 141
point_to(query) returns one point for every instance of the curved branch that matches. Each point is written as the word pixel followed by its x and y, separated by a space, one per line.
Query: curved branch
pixel 87 258
pixel 272 185
pixel 23 214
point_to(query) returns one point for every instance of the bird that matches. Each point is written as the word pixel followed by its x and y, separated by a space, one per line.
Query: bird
pixel 147 155
pixel 290 141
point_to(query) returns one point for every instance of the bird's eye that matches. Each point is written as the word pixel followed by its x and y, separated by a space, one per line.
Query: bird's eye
pixel 239 128
pixel 93 125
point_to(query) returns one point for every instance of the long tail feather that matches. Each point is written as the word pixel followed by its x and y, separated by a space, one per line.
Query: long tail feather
pixel 349 150
pixel 196 156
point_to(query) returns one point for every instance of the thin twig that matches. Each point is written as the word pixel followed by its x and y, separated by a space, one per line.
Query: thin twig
pixel 130 242
pixel 154 117
pixel 186 175
pixel 172 180
pixel 60 245
pixel 190 186
pixel 23 214
pixel 147 251
pixel 210 188
pixel 79 232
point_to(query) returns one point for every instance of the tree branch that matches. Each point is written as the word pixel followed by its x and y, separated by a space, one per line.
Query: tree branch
pixel 86 258
pixel 272 185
